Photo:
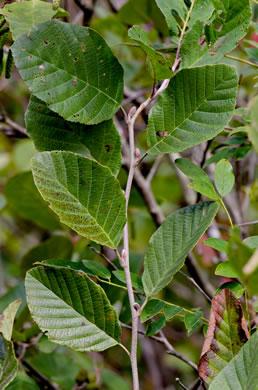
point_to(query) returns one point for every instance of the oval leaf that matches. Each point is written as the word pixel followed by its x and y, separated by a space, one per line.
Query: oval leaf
pixel 217 243
pixel 195 107
pixel 224 177
pixel 23 382
pixel 86 87
pixel 72 309
pixel 84 194
pixel 7 319
pixel 170 244
pixel 227 333
pixel 153 307
pixel 49 131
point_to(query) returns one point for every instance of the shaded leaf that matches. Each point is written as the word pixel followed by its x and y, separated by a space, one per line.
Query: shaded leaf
pixel 235 287
pixel 224 153
pixel 170 244
pixel 113 381
pixel 49 131
pixel 226 269
pixel 84 194
pixel 252 242
pixel 87 87
pixel 171 311
pixel 23 382
pixel 161 66
pixel 217 243
pixel 191 319
pixel 136 280
pixel 73 309
pixel 253 128
pixel 24 198
pixel 227 333
pixel 7 319
pixel 155 326
pixel 224 177
pixel 152 308
pixel 56 247
pixel 195 107
pixel 201 181
pixel 97 269
pixel 241 373
pixel 8 362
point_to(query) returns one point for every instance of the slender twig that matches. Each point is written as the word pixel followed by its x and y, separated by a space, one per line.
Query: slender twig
pixel 154 169
pixel 40 379
pixel 12 125
pixel 177 59
pixel 248 223
pixel 196 285
pixel 226 210
pixel 103 256
pixel 241 60
pixel 181 384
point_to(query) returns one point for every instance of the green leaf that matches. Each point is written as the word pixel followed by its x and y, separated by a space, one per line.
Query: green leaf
pixel 191 319
pixel 170 10
pixel 161 66
pixel 23 382
pixel 219 35
pixel 97 269
pixel 227 333
pixel 252 242
pixel 252 129
pixel 24 198
pixel 241 373
pixel 76 265
pixel 56 247
pixel 49 131
pixel 8 362
pixel 155 326
pixel 23 16
pixel 73 309
pixel 7 319
pixel 113 380
pixel 170 244
pixel 153 307
pixel 224 177
pixel 235 287
pixel 224 153
pixel 226 269
pixel 136 280
pixel 217 243
pixel 171 311
pixel 87 87
pixel 84 194
pixel 201 181
pixel 195 107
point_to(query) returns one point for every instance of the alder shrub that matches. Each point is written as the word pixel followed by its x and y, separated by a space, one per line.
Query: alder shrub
pixel 176 90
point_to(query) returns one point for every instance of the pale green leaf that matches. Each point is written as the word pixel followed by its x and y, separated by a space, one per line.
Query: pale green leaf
pixel 170 244
pixel 195 107
pixel 253 128
pixel 8 362
pixel 49 131
pixel 252 242
pixel 153 307
pixel 84 194
pixel 224 177
pixel 155 326
pixel 87 87
pixel 209 40
pixel 201 181
pixel 97 269
pixel 161 66
pixel 23 382
pixel 171 311
pixel 171 8
pixel 56 247
pixel 226 269
pixel 113 380
pixel 23 16
pixel 227 333
pixel 217 243
pixel 235 287
pixel 7 319
pixel 241 373
pixel 24 198
pixel 224 153
pixel 191 319
pixel 72 309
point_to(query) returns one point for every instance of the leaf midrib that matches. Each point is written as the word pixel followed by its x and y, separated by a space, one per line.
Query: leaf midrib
pixel 187 118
